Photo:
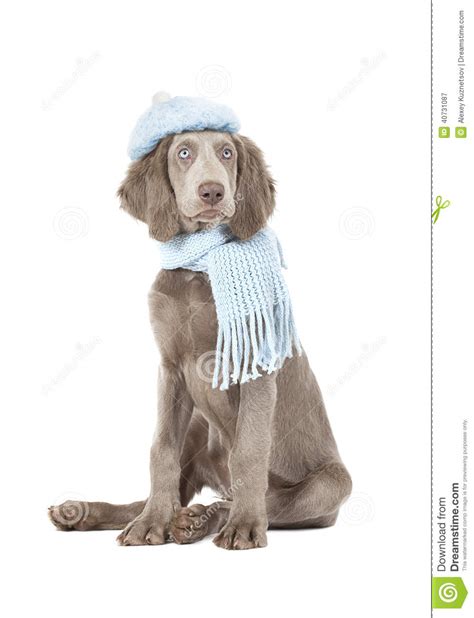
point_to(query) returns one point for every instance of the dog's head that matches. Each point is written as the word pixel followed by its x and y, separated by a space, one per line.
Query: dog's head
pixel 197 180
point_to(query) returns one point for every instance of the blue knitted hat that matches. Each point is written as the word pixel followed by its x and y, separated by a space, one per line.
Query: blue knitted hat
pixel 168 116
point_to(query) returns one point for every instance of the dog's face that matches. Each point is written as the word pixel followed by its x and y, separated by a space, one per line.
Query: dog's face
pixel 197 180
pixel 202 168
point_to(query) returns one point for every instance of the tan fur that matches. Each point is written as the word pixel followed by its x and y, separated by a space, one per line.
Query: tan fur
pixel 147 194
pixel 206 165
pixel 265 446
pixel 255 191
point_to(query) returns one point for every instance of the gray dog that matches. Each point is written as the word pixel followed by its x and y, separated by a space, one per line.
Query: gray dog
pixel 265 446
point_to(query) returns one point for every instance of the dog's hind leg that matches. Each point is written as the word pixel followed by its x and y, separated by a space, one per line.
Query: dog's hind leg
pixel 78 515
pixel 313 502
pixel 193 523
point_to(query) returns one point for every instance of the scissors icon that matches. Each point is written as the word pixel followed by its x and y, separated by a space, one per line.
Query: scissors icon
pixel 440 204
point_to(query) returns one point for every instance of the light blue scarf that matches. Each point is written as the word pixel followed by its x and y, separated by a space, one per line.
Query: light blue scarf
pixel 256 327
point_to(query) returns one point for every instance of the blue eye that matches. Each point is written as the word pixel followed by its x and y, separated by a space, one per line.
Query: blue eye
pixel 184 153
pixel 227 153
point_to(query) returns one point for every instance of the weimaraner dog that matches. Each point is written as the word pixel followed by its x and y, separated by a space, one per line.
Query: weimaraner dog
pixel 266 446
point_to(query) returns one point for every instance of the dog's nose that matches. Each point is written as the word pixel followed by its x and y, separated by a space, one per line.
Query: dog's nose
pixel 211 193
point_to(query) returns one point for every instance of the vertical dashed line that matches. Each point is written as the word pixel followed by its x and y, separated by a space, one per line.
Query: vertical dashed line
pixel 432 349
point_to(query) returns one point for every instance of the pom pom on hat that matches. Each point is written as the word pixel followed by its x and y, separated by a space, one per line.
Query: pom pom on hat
pixel 168 116
pixel 160 97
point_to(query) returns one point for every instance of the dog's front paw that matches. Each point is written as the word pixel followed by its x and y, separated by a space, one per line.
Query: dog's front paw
pixel 146 529
pixel 242 534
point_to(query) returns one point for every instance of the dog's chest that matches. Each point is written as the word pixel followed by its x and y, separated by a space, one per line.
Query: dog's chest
pixel 183 315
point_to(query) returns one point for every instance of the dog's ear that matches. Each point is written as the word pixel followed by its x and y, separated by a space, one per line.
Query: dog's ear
pixel 255 194
pixel 147 195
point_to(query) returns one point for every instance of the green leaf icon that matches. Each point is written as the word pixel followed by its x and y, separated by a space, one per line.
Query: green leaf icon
pixel 448 592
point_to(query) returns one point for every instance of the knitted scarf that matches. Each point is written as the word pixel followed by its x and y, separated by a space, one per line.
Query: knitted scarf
pixel 255 319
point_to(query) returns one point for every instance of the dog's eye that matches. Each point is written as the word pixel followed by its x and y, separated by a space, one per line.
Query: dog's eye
pixel 184 153
pixel 227 153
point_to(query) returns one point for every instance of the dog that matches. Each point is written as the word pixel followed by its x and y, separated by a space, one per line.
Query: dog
pixel 265 446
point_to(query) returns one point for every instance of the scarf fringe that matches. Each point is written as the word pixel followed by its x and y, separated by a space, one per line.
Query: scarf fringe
pixel 262 340
pixel 256 330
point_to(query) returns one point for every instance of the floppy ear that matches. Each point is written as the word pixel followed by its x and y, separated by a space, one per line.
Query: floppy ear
pixel 147 195
pixel 255 194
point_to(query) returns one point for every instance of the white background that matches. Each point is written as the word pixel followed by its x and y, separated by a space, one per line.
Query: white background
pixel 338 98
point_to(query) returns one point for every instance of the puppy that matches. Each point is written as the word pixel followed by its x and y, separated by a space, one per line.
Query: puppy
pixel 266 446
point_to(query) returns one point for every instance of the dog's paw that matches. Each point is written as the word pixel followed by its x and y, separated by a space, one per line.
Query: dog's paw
pixel 144 530
pixel 190 524
pixel 242 535
pixel 70 515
